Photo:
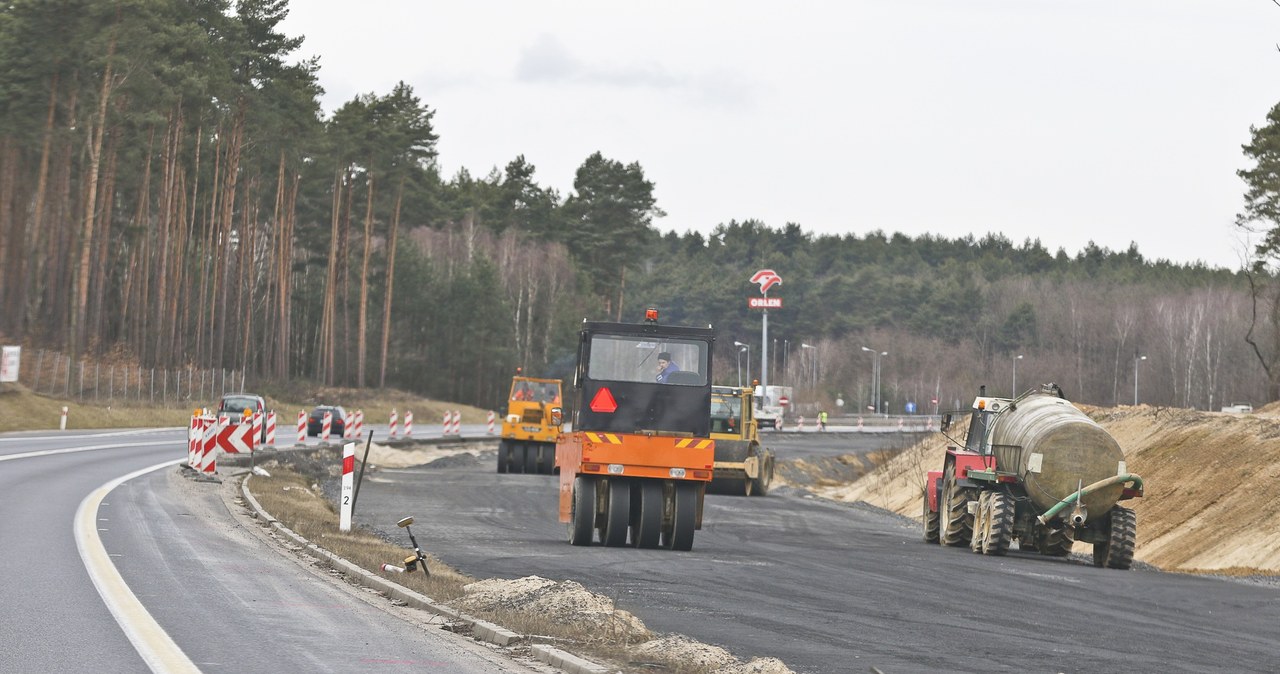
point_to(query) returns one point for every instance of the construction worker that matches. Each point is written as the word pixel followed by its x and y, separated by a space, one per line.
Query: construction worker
pixel 822 420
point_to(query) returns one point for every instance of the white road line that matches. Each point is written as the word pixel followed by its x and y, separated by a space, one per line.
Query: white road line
pixel 71 450
pixel 155 645
pixel 106 434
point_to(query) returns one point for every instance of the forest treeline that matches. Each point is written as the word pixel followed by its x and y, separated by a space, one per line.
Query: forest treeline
pixel 172 195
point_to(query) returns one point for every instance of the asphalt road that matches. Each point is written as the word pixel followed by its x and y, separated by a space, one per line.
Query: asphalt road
pixel 201 579
pixel 832 587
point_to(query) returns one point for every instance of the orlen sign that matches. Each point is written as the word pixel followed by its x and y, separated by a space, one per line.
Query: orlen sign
pixel 766 279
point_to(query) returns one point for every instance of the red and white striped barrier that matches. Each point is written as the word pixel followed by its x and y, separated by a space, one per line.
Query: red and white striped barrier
pixel 491 418
pixel 408 424
pixel 271 430
pixel 195 440
pixel 209 445
pixel 359 415
pixel 326 426
pixel 446 422
pixel 257 426
pixel 457 422
pixel 395 422
pixel 302 427
pixel 206 435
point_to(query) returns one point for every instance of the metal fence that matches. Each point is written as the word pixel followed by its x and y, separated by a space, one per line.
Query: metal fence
pixel 53 373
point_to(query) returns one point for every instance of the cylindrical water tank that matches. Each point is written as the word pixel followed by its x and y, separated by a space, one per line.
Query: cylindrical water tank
pixel 1055 449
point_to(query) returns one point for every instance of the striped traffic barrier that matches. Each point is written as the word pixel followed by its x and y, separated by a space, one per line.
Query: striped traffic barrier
pixel 359 423
pixel 209 446
pixel 195 434
pixel 395 422
pixel 446 423
pixel 302 427
pixel 257 430
pixel 408 424
pixel 491 418
pixel 326 426
pixel 271 429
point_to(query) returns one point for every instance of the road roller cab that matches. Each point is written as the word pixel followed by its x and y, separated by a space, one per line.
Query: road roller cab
pixel 635 467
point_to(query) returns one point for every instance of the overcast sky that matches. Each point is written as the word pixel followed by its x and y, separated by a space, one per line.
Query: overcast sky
pixel 1114 121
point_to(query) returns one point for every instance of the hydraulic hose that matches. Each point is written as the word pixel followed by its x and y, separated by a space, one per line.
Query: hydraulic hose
pixel 1073 498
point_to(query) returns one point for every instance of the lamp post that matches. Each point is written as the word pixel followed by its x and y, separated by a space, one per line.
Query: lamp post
pixel 742 346
pixel 786 351
pixel 875 375
pixel 1136 359
pixel 1015 374
pixel 813 366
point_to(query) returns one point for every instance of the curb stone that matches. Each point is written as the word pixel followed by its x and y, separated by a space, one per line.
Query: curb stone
pixel 566 661
pixel 481 629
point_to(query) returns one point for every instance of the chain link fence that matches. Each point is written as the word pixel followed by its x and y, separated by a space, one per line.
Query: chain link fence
pixel 54 374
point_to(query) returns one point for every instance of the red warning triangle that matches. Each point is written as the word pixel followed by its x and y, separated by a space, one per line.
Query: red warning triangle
pixel 603 402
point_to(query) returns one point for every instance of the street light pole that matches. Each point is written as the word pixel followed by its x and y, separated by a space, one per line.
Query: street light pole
pixel 742 346
pixel 1136 360
pixel 813 365
pixel 1015 375
pixel 875 375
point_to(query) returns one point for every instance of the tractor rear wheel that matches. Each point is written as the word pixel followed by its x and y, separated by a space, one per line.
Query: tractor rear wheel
pixel 998 525
pixel 931 521
pixel 646 514
pixel 1117 551
pixel 617 519
pixel 981 522
pixel 503 450
pixel 582 511
pixel 684 517
pixel 956 527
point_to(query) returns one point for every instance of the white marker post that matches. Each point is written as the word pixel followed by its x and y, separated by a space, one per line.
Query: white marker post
pixel 62 425
pixel 348 485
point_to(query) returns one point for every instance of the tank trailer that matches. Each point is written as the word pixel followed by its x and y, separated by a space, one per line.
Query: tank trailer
pixel 1036 470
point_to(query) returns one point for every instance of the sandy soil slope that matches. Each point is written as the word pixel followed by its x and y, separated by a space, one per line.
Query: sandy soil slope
pixel 1211 478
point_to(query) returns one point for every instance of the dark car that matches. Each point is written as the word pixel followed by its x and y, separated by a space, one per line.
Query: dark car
pixel 337 426
pixel 234 405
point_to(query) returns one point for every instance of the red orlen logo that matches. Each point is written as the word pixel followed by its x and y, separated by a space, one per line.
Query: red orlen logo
pixel 767 279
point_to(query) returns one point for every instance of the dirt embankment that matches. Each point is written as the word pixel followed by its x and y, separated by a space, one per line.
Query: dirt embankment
pixel 1210 503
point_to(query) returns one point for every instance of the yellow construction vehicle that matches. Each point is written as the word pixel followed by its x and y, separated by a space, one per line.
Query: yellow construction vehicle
pixel 529 433
pixel 742 466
